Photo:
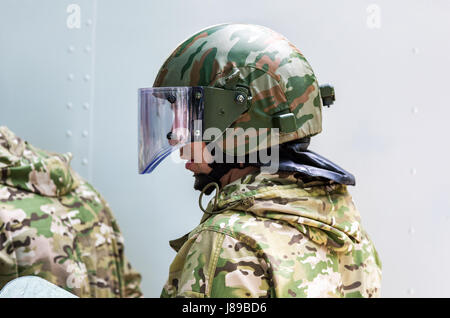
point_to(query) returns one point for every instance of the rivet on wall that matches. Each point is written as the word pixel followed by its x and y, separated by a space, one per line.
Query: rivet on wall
pixel 411 230
pixel 81 17
pixel 415 50
pixel 410 291
pixel 415 110
pixel 413 171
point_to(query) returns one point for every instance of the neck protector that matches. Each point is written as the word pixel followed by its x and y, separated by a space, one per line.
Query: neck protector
pixel 295 157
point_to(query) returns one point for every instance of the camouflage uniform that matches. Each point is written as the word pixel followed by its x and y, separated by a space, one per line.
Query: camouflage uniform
pixel 284 239
pixel 55 225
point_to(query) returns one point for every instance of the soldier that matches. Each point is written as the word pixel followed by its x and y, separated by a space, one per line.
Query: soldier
pixel 55 225
pixel 292 232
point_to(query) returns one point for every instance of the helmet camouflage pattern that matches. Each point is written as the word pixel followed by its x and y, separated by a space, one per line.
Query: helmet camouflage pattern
pixel 277 74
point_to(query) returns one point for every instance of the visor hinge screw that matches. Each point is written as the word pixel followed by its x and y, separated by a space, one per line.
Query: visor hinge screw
pixel 240 98
pixel 198 95
pixel 221 111
pixel 171 98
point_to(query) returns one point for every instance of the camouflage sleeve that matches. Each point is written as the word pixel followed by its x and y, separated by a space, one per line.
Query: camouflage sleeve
pixel 212 264
pixel 131 279
pixel 8 262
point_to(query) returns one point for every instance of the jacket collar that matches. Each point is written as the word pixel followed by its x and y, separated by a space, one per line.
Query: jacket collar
pixel 326 208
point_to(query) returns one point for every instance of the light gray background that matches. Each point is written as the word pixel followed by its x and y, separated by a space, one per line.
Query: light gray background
pixel 75 90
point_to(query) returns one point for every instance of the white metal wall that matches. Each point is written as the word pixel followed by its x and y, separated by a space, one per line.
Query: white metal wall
pixel 70 69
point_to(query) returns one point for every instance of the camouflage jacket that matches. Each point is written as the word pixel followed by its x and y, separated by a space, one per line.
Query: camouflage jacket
pixel 53 224
pixel 284 239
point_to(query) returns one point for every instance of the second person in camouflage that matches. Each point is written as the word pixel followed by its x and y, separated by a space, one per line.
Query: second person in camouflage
pixel 55 225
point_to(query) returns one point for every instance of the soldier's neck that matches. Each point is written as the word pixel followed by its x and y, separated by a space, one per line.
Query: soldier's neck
pixel 235 174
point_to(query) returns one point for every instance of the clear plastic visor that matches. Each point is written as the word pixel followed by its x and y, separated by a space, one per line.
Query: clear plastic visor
pixel 164 123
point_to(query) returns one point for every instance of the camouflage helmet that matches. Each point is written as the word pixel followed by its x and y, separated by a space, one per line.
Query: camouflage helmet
pixel 280 80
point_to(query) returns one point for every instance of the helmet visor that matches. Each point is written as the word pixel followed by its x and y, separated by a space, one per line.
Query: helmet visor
pixel 168 117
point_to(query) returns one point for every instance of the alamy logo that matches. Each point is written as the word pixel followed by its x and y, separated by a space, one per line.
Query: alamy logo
pixel 235 145
pixel 73 20
pixel 373 16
